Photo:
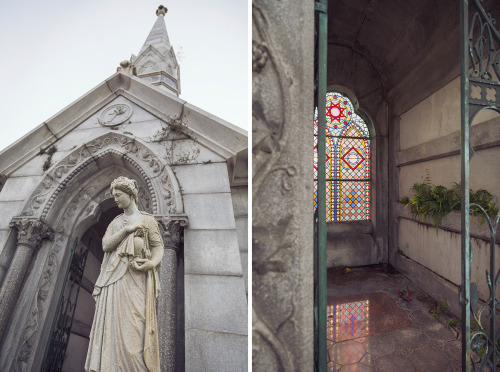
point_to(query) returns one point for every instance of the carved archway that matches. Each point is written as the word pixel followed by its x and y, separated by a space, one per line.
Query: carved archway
pixel 70 199
pixel 95 155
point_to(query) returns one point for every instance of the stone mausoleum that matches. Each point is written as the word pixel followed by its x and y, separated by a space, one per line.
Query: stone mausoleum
pixel 192 171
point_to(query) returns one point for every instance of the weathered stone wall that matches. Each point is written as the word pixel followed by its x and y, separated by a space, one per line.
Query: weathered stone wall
pixel 282 213
pixel 215 304
pixel 428 143
pixel 239 196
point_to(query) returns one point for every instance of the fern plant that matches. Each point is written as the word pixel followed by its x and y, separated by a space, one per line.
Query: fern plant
pixel 428 199
pixel 485 200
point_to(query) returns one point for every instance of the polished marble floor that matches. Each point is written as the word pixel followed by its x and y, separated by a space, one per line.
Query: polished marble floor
pixel 371 328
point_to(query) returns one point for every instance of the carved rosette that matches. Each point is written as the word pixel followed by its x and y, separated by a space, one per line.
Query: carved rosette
pixel 173 226
pixel 31 231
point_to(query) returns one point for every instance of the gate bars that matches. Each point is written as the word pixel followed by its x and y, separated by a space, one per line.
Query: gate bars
pixel 480 89
pixel 66 307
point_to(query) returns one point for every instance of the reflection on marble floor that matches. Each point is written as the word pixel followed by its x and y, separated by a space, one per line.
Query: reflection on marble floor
pixel 370 328
pixel 348 320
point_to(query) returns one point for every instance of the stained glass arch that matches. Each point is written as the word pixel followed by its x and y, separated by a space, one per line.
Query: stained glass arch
pixel 348 161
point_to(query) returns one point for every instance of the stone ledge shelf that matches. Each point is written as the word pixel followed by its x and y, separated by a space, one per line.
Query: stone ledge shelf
pixel 479 228
pixel 349 227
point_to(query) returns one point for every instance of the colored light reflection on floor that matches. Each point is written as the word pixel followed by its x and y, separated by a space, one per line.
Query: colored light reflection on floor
pixel 348 320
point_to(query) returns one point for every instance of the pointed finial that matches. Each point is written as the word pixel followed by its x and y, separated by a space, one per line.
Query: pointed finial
pixel 161 10
pixel 156 61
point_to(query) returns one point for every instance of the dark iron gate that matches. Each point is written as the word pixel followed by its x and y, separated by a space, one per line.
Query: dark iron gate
pixel 65 313
pixel 480 89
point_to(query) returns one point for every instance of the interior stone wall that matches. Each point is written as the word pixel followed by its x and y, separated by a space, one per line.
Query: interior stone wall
pixel 282 174
pixel 435 117
pixel 428 144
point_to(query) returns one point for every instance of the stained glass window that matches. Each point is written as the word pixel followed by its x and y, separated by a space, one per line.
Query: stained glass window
pixel 347 161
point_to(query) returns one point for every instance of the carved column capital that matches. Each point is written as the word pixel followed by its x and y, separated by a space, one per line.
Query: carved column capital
pixel 172 226
pixel 31 231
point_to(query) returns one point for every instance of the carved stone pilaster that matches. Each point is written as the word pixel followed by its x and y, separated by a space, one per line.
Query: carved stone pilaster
pixel 30 233
pixel 172 227
pixel 282 259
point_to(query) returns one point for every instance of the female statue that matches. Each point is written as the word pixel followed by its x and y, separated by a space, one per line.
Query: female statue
pixel 124 333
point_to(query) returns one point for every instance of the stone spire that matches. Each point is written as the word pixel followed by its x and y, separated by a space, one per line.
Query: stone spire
pixel 156 61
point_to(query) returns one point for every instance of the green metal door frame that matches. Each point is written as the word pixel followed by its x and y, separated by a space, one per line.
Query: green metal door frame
pixel 321 8
pixel 479 46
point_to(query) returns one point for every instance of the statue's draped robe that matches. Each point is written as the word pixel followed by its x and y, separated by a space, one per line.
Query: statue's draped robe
pixel 124 333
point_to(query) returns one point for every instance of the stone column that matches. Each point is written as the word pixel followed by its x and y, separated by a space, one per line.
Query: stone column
pixel 167 307
pixel 30 233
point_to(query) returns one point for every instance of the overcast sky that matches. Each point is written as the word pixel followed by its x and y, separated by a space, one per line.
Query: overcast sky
pixel 53 52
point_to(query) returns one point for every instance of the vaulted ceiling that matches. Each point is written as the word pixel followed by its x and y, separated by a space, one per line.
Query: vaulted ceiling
pixel 399 51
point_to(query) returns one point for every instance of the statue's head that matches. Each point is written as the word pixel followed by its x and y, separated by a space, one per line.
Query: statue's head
pixel 126 185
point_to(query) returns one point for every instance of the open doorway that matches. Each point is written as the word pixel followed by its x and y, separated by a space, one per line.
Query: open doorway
pixel 71 330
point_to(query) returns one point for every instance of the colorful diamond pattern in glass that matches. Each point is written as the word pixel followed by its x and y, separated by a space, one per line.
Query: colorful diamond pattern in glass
pixel 353 158
pixel 348 321
pixel 347 161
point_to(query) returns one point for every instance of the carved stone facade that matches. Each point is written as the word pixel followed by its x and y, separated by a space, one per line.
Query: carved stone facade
pixel 282 240
pixel 191 200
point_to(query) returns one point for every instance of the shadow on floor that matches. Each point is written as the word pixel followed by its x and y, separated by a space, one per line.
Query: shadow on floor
pixel 371 328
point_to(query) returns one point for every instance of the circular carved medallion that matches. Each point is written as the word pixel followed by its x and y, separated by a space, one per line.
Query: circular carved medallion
pixel 115 115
